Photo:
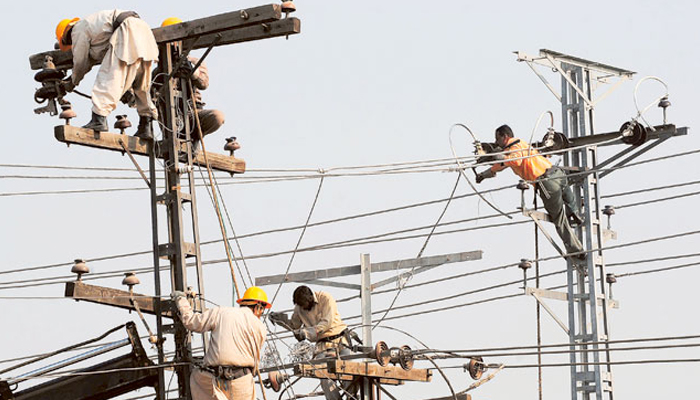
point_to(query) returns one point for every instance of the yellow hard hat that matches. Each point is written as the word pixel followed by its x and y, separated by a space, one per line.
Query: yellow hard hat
pixel 254 294
pixel 171 21
pixel 61 29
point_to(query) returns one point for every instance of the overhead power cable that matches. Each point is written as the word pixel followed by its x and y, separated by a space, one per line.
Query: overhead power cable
pixel 645 202
pixel 329 175
pixel 342 244
pixel 580 364
pixel 270 231
pixel 326 222
pixel 508 296
pixel 648 260
pixel 447 354
pixel 651 189
pixel 487 350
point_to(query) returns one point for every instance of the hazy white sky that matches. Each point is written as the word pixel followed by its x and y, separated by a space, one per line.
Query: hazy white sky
pixel 369 83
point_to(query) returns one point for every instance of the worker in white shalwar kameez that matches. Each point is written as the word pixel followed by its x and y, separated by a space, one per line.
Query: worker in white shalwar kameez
pixel 126 47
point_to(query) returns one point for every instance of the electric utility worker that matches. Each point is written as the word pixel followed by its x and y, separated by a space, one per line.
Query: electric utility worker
pixel 557 196
pixel 210 120
pixel 316 319
pixel 237 337
pixel 126 47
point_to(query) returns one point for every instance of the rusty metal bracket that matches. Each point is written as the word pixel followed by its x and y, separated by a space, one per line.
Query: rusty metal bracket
pixel 151 337
pixel 549 310
pixel 206 53
pixel 136 164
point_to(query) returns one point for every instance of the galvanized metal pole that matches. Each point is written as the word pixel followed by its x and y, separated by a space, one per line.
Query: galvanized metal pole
pixel 588 321
pixel 366 304
pixel 366 299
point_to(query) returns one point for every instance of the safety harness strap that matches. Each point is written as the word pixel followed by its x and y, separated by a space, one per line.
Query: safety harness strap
pixel 227 372
pixel 121 17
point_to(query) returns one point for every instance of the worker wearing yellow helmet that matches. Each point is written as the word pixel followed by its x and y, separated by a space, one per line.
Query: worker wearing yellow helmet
pixel 210 120
pixel 170 21
pixel 237 338
pixel 125 46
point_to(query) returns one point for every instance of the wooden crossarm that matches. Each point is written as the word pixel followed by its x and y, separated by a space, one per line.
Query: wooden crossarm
pixel 263 23
pixel 70 134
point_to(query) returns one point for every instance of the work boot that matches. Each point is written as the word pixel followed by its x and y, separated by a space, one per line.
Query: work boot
pixel 98 123
pixel 145 130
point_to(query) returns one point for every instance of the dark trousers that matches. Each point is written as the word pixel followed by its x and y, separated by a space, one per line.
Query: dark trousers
pixel 556 196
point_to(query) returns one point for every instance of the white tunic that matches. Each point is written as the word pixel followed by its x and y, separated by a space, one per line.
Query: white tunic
pixel 93 35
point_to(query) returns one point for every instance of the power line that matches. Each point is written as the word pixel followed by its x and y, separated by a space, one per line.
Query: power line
pixel 666 258
pixel 450 354
pixel 651 189
pixel 355 243
pixel 568 344
pixel 503 297
pixel 328 175
pixel 568 364
pixel 66 167
pixel 641 203
pixel 318 224
pixel 352 242
pixel 651 271
pixel 270 231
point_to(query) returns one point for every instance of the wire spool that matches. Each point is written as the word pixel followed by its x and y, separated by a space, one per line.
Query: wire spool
pixel 382 348
pixel 476 367
pixel 633 133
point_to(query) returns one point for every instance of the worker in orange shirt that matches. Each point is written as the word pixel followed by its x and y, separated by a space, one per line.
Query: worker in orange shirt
pixel 557 196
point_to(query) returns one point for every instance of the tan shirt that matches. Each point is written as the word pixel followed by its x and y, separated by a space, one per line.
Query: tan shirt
pixel 323 316
pixel 200 78
pixel 93 35
pixel 237 335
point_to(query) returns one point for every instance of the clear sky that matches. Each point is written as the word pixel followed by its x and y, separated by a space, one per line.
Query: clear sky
pixel 372 83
